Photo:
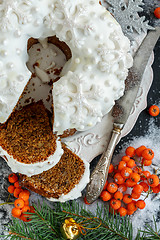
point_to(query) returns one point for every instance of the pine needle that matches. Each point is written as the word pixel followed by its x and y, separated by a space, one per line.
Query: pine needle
pixel 45 224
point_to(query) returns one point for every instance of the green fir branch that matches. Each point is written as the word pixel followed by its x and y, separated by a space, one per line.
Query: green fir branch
pixel 19 230
pixel 45 224
pixel 151 233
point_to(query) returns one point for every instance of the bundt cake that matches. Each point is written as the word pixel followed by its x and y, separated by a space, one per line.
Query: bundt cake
pixel 90 81
pixel 93 77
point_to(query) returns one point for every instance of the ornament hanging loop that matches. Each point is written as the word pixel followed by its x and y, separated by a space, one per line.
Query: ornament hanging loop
pixel 71 230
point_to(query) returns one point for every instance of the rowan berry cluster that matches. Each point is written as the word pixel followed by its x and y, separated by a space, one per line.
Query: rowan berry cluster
pixel 129 174
pixel 22 202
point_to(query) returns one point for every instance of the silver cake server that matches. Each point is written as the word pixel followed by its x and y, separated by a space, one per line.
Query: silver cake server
pixel 121 112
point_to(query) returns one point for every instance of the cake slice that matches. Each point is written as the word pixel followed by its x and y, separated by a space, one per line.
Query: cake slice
pixel 63 182
pixel 27 141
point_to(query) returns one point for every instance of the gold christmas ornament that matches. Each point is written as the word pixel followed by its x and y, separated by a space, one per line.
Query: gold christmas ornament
pixel 70 229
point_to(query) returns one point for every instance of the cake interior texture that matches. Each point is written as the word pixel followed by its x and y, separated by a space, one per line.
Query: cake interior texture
pixel 58 180
pixel 27 135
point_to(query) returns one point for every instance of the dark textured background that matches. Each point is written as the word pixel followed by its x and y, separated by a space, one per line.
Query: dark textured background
pixel 143 120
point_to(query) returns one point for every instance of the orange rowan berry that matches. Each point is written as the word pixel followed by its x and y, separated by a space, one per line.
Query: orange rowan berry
pixel 19 203
pixel 112 211
pixel 154 109
pixel 137 170
pixel 85 200
pixel 127 198
pixel 26 203
pixel 153 180
pixel 145 175
pixel 122 211
pixel 17 192
pixel 122 188
pixel 116 169
pixel 145 186
pixel 16 212
pixel 118 178
pixel 135 177
pixel 115 204
pixel 26 191
pixel 32 209
pixel 130 212
pixel 148 154
pixel 140 204
pixel 25 209
pixel 135 195
pixel 125 172
pixel 118 195
pixel 131 206
pixel 105 185
pixel 25 218
pixel 111 168
pixel 24 195
pixel 105 196
pixel 130 151
pixel 131 163
pixel 156 189
pixel 125 158
pixel 12 178
pixel 138 188
pixel 112 187
pixel 16 184
pixel 130 183
pixel 121 165
pixel 11 189
pixel 140 150
pixel 146 162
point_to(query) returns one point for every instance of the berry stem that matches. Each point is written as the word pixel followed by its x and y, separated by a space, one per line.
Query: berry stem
pixel 5 203
pixel 149 192
pixel 156 170
pixel 8 197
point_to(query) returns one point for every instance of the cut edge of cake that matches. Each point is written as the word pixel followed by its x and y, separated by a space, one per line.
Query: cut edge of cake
pixel 38 183
pixel 25 166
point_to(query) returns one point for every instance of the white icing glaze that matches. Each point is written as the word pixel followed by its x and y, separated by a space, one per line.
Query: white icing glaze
pixel 43 76
pixel 98 48
pixel 17 24
pixel 76 192
pixel 35 168
pixel 98 68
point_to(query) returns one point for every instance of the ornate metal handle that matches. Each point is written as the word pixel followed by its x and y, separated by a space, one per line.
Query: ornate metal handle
pixel 100 173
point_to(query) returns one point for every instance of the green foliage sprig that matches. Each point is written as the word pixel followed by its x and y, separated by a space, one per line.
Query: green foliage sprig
pixel 46 222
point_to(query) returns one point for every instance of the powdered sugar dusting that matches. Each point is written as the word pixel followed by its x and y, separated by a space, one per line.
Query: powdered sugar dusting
pixel 151 140
pixel 141 217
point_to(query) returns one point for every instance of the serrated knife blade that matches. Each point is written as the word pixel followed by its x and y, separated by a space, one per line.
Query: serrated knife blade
pixel 123 107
